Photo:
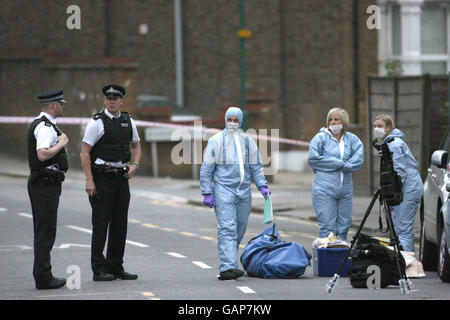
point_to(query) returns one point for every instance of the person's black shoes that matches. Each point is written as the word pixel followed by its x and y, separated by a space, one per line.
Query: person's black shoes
pixel 231 274
pixel 54 283
pixel 125 276
pixel 103 276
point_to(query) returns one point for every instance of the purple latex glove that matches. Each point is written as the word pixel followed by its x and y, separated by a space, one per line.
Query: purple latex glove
pixel 265 191
pixel 208 200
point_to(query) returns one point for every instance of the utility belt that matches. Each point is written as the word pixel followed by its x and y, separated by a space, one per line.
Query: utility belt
pixel 101 169
pixel 48 176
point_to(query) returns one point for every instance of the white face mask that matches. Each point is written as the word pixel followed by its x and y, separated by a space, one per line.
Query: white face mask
pixel 378 133
pixel 335 129
pixel 232 125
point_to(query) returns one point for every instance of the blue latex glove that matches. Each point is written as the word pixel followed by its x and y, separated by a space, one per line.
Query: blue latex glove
pixel 265 191
pixel 208 200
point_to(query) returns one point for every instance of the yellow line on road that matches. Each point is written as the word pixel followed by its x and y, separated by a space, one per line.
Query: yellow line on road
pixel 85 294
pixel 189 234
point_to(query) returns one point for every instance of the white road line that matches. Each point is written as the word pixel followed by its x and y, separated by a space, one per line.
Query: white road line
pixel 201 265
pixel 26 215
pixel 176 255
pixel 3 209
pixel 68 245
pixel 138 244
pixel 11 247
pixel 80 229
pixel 246 289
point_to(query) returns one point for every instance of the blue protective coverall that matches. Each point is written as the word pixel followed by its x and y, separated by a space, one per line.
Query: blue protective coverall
pixel 406 166
pixel 229 181
pixel 332 190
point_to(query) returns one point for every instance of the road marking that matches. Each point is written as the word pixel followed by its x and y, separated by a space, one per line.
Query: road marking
pixel 168 229
pixel 189 234
pixel 68 245
pixel 149 225
pixel 26 215
pixel 86 294
pixel 12 247
pixel 201 265
pixel 3 209
pixel 138 244
pixel 176 255
pixel 246 289
pixel 148 294
pixel 207 238
pixel 80 229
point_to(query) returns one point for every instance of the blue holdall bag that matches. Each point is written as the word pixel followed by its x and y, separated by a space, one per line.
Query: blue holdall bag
pixel 267 256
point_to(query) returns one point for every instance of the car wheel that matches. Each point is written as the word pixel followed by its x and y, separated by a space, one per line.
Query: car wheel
pixel 444 258
pixel 428 253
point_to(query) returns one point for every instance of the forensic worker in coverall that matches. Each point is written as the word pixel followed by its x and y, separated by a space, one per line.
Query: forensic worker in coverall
pixel 231 160
pixel 334 154
pixel 406 166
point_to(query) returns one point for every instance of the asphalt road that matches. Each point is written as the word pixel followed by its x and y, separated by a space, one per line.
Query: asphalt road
pixel 172 246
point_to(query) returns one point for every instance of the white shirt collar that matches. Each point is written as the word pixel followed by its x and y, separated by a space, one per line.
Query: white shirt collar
pixel 109 114
pixel 49 117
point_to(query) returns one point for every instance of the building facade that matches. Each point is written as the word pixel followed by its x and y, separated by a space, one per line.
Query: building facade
pixel 415 33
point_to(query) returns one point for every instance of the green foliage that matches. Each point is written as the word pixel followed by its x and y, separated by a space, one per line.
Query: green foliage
pixel 393 68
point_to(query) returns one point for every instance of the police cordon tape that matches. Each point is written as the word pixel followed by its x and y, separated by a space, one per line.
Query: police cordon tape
pixel 140 123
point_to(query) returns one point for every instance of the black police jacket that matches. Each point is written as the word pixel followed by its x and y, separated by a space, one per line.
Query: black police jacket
pixel 114 145
pixel 60 159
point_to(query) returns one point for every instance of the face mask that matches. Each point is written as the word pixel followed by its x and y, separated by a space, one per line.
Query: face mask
pixel 378 133
pixel 232 125
pixel 336 128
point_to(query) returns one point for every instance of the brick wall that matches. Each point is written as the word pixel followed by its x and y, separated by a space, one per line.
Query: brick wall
pixel 301 53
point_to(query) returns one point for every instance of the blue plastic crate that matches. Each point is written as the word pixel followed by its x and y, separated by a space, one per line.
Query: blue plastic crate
pixel 326 261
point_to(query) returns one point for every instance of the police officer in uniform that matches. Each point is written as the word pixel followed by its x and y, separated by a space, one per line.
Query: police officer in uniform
pixel 48 164
pixel 110 155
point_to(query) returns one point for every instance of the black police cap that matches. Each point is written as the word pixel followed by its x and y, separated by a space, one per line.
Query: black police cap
pixel 52 95
pixel 113 90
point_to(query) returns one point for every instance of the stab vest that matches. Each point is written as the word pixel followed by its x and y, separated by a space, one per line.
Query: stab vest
pixel 35 164
pixel 114 145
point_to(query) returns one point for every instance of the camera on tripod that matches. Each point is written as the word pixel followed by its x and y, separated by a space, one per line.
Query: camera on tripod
pixel 390 194
pixel 390 182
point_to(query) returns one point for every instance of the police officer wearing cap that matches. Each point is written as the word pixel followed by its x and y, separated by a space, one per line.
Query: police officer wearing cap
pixel 110 155
pixel 48 164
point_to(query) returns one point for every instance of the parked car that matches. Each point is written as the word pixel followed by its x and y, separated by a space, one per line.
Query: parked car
pixel 434 252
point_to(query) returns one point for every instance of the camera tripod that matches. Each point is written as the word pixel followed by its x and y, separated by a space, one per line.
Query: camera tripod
pixel 404 283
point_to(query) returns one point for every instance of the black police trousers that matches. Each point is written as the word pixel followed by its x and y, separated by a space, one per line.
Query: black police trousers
pixel 44 198
pixel 109 218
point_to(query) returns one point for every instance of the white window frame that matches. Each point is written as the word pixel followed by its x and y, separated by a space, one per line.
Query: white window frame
pixel 439 57
pixel 389 55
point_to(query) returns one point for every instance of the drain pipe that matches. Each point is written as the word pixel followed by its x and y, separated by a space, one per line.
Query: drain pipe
pixel 179 53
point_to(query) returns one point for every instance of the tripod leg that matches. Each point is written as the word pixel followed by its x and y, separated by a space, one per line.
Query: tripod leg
pixel 406 286
pixel 333 281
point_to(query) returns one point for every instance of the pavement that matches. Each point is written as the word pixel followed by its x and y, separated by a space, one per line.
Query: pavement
pixel 291 194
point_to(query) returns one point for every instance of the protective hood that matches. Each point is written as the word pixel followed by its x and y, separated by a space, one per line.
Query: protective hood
pixel 396 133
pixel 236 112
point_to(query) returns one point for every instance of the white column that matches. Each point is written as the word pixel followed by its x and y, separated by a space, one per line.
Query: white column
pixel 410 19
pixel 383 37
